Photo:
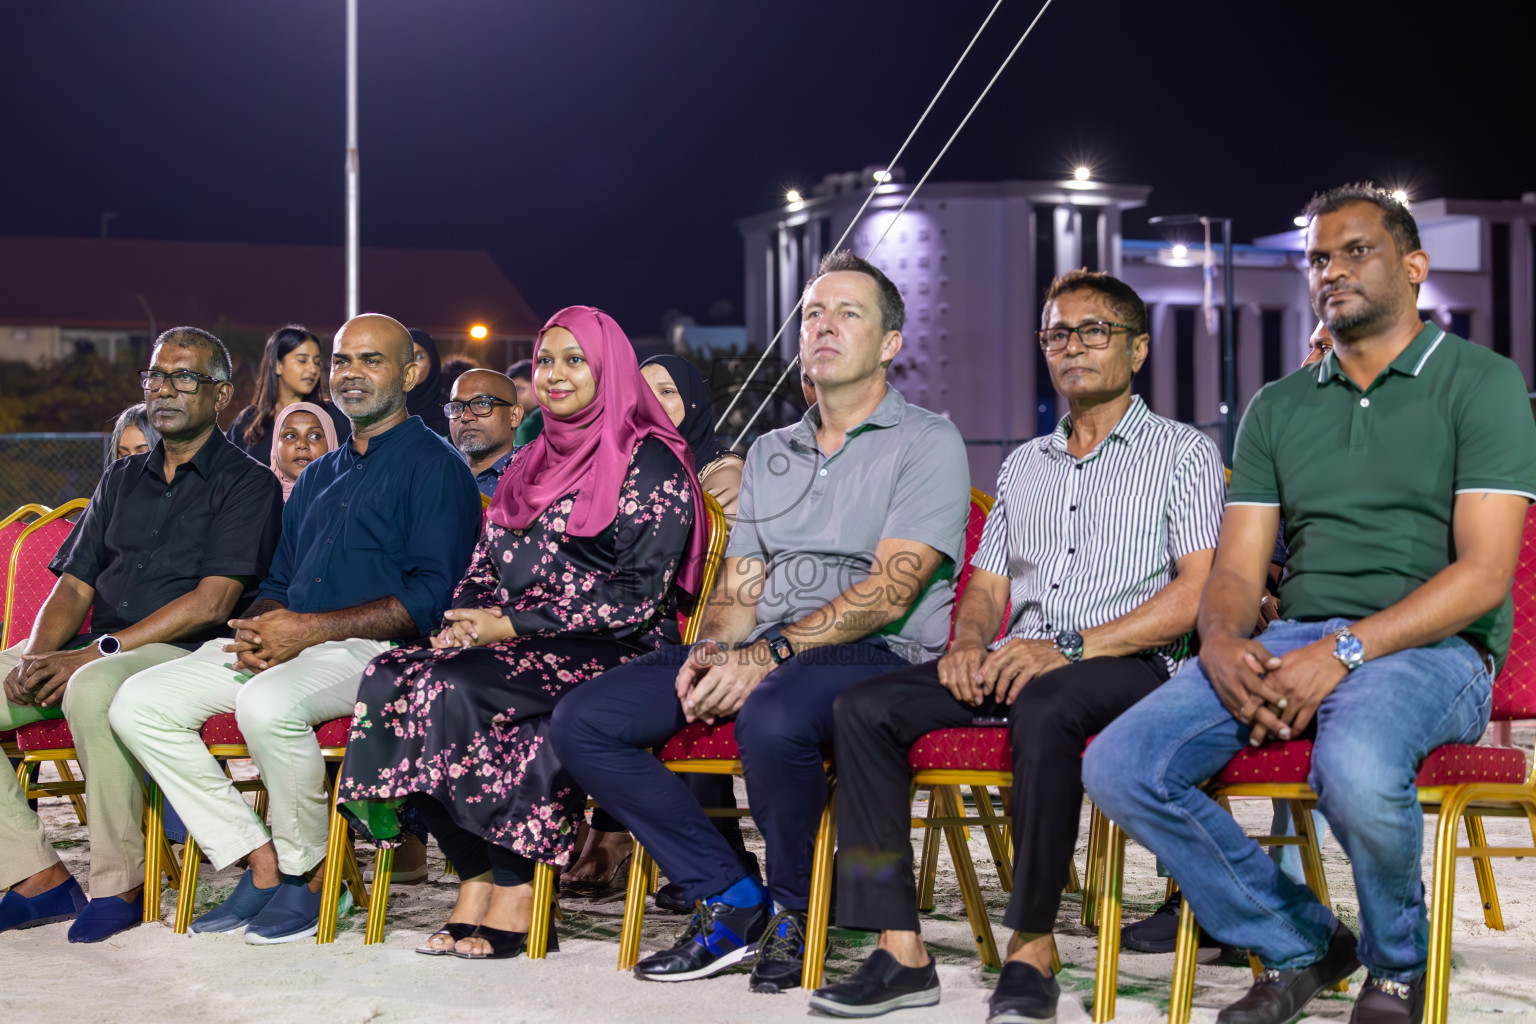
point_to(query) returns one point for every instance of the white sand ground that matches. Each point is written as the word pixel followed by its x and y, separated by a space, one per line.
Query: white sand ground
pixel 150 975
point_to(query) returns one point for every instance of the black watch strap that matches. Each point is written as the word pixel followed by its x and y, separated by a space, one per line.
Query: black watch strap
pixel 779 647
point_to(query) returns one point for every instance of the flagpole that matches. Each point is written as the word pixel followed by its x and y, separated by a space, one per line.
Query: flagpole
pixel 352 186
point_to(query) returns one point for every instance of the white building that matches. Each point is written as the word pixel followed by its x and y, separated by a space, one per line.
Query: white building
pixel 973 259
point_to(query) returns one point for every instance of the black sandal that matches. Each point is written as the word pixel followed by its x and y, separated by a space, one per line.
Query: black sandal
pixel 506 945
pixel 455 930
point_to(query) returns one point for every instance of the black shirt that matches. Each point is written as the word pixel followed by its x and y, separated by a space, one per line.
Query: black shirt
pixel 261 450
pixel 142 543
pixel 400 519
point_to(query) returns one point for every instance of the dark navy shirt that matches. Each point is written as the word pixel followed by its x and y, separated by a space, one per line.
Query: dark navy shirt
pixel 490 476
pixel 142 543
pixel 400 520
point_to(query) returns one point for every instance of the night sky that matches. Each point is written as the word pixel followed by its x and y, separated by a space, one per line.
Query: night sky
pixel 601 150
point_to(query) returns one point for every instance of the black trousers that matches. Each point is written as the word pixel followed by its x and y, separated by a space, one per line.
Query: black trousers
pixel 471 855
pixel 878 720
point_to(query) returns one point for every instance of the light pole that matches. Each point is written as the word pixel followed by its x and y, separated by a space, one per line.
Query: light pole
pixel 1228 332
pixel 352 207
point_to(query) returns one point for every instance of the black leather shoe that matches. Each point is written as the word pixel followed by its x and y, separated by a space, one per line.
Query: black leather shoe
pixel 1278 996
pixel 719 937
pixel 1390 1002
pixel 880 985
pixel 780 953
pixel 1160 932
pixel 670 896
pixel 1023 996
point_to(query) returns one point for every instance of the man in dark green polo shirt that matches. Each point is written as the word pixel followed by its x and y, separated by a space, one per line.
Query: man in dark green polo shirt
pixel 1403 462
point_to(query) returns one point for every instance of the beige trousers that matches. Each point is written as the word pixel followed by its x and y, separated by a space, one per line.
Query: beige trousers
pixel 158 714
pixel 114 794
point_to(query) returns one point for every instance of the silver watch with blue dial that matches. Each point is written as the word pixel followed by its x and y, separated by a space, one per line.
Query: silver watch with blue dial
pixel 1348 649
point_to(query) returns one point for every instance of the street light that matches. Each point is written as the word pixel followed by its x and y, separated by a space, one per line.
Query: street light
pixel 793 196
pixel 1082 173
pixel 1228 334
pixel 478 332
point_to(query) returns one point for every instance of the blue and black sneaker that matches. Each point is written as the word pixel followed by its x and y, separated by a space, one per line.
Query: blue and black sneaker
pixel 718 938
pixel 781 953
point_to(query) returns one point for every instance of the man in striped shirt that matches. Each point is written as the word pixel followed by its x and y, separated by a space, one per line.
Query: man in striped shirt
pixel 1101 540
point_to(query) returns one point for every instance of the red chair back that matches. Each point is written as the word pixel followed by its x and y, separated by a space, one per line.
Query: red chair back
pixel 1514 691
pixel 976 521
pixel 29 582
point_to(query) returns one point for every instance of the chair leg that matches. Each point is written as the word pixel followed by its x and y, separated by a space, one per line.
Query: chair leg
pixel 819 916
pixel 1182 997
pixel 1484 868
pixel 640 864
pixel 1442 899
pixel 330 884
pixel 948 798
pixel 378 900
pixel 1108 880
pixel 1093 871
pixel 1312 860
pixel 154 851
pixel 186 896
pixel 928 865
pixel 1074 883
pixel 65 775
pixel 1002 857
pixel 543 905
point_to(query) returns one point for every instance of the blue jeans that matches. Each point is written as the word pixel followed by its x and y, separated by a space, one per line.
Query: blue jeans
pixel 1373 730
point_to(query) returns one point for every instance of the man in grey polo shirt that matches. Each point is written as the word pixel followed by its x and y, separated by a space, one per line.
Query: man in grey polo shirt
pixel 840 567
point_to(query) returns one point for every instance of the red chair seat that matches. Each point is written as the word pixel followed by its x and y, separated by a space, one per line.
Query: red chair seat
pixel 1449 765
pixel 7 736
pixel 50 735
pixel 335 732
pixel 222 729
pixel 985 749
pixel 700 741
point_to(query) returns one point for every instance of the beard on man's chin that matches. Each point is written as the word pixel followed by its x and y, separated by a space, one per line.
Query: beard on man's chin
pixel 1368 315
pixel 474 447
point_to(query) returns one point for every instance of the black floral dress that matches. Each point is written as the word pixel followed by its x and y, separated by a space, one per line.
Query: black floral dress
pixel 470 726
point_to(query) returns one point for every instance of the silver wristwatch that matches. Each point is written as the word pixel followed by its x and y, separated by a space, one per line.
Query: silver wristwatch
pixel 108 645
pixel 1348 649
pixel 1069 644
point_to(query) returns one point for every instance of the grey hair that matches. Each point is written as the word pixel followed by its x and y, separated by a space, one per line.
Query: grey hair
pixel 133 416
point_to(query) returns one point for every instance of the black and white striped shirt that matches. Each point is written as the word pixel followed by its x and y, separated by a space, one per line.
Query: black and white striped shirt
pixel 1085 541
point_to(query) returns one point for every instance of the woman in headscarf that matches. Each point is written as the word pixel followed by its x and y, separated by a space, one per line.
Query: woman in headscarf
pixel 425 398
pixel 679 387
pixel 596 533
pixel 301 433
pixel 292 370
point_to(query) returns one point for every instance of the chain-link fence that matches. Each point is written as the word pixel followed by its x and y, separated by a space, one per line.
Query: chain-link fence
pixel 49 469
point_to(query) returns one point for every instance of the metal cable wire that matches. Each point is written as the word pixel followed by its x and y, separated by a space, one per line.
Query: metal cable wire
pixel 902 209
pixel 893 162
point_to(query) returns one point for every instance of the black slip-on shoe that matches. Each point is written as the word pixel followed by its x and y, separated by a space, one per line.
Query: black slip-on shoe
pixel 1278 996
pixel 780 953
pixel 1390 1002
pixel 1159 933
pixel 880 985
pixel 718 938
pixel 1023 996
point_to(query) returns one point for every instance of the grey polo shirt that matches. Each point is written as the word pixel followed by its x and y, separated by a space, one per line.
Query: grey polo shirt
pixel 815 519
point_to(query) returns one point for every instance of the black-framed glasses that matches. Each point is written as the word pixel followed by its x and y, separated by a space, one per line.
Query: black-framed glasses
pixel 185 381
pixel 1093 335
pixel 481 404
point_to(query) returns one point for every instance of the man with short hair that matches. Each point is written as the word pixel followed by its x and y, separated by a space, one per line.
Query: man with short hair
pixel 483 416
pixel 173 542
pixel 839 567
pixel 1403 466
pixel 1101 538
pixel 375 535
pixel 521 373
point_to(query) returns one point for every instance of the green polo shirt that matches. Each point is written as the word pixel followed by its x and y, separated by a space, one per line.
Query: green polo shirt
pixel 1367 479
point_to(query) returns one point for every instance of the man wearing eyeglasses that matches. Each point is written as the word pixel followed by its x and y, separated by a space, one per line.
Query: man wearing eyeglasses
pixel 1101 539
pixel 172 544
pixel 482 420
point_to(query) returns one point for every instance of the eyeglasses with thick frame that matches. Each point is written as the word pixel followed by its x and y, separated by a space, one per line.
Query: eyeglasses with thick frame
pixel 481 404
pixel 1093 335
pixel 185 381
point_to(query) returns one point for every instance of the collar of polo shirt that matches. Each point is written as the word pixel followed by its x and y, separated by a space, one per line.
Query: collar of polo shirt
pixel 1408 362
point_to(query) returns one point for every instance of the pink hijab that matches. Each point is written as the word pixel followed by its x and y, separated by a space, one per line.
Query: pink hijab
pixel 590 451
pixel 277 433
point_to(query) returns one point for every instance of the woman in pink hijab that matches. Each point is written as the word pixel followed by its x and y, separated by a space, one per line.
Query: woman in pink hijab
pixel 301 433
pixel 596 534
